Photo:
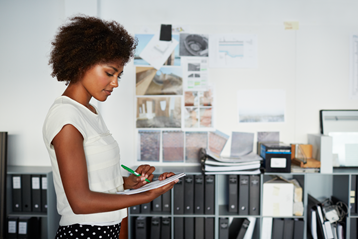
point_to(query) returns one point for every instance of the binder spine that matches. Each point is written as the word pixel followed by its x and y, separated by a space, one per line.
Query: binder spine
pixel 166 204
pixel 26 192
pixel 233 193
pixel 157 202
pixel 223 228
pixel 209 194
pixel 179 197
pixel 155 228
pixel 178 228
pixel 199 228
pixel 166 228
pixel 189 228
pixel 199 194
pixel 243 195
pixel 254 190
pixel 36 193
pixel 189 194
pixel 44 193
pixel 209 228
pixel 16 193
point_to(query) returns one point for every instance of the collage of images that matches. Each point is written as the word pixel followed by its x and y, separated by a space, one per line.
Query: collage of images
pixel 184 146
pixel 176 95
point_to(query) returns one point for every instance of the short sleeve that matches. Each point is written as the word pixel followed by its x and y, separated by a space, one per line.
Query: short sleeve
pixel 60 116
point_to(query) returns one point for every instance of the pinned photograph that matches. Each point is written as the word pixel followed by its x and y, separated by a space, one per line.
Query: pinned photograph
pixel 191 99
pixel 158 112
pixel 217 141
pixel 206 99
pixel 242 143
pixel 165 81
pixel 173 146
pixel 206 117
pixel 194 141
pixel 195 73
pixel 149 145
pixel 151 51
pixel 194 45
pixel 261 106
pixel 191 117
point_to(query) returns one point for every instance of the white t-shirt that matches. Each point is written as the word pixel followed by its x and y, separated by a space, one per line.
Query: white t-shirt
pixel 102 157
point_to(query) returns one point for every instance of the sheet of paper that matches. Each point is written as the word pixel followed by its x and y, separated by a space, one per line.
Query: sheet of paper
pixel 173 146
pixel 153 185
pixel 165 81
pixel 277 199
pixel 217 141
pixel 159 112
pixel 233 51
pixel 143 40
pixel 192 45
pixel 194 141
pixel 198 109
pixel 195 73
pixel 148 145
pixel 242 143
pixel 261 105
pixel 156 52
pixel 353 89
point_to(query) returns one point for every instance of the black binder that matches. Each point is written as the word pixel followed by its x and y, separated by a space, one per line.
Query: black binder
pixel 26 192
pixel 233 187
pixel 166 198
pixel 16 193
pixel 209 194
pixel 28 227
pixel 277 228
pixel 179 197
pixel 44 193
pixel 288 228
pixel 12 223
pixel 135 209
pixel 312 204
pixel 157 202
pixel 298 229
pixel 141 228
pixel 353 232
pixel 209 228
pixel 199 228
pixel 352 204
pixel 223 228
pixel 243 229
pixel 155 228
pixel 145 208
pixel 166 228
pixel 178 228
pixel 199 194
pixel 254 189
pixel 243 195
pixel 36 193
pixel 189 194
pixel 189 228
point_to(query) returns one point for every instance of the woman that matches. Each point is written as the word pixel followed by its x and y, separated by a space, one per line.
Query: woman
pixel 89 54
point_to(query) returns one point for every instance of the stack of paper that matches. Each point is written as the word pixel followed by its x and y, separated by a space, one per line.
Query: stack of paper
pixel 247 164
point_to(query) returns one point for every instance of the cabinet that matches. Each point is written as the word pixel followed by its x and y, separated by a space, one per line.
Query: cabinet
pixel 318 185
pixel 49 219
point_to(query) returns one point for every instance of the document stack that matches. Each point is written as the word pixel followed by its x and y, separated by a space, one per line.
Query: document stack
pixel 212 163
pixel 326 219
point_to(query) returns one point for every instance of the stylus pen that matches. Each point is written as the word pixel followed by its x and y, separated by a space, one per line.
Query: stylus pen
pixel 131 171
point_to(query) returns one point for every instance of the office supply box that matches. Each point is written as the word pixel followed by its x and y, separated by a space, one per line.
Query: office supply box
pixel 277 157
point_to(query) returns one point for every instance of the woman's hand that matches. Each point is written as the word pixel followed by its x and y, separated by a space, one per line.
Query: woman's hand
pixel 133 182
pixel 166 175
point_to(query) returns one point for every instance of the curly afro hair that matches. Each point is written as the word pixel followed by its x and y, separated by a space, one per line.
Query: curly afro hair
pixel 85 42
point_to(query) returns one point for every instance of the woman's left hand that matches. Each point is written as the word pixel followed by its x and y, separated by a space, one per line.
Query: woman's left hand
pixel 133 182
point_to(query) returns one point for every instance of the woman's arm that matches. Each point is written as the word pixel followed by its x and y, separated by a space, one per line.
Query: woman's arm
pixel 68 144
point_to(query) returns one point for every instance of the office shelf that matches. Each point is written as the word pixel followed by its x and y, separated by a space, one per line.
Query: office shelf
pixel 318 185
pixel 49 220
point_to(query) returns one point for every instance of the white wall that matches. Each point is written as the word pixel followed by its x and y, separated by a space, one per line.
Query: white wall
pixel 311 64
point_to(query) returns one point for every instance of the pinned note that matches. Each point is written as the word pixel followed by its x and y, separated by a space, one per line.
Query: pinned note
pixel 291 25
